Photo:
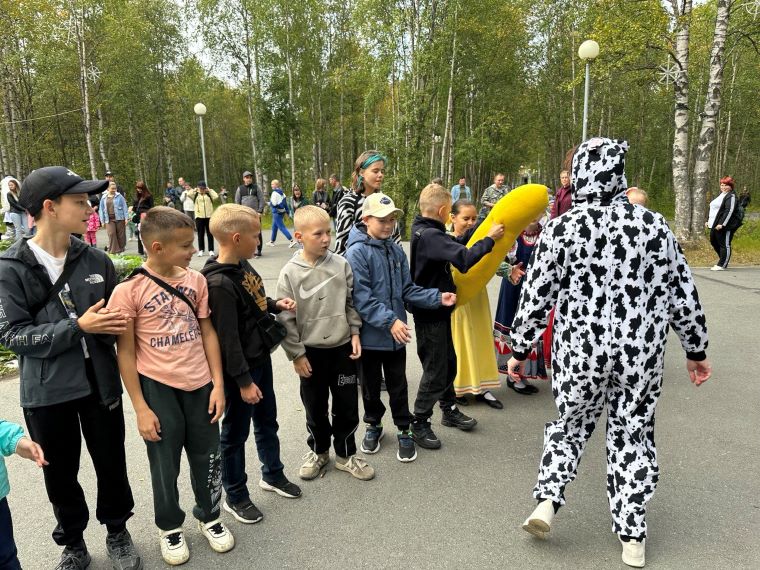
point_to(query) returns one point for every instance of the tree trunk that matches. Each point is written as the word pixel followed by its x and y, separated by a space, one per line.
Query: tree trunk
pixel 167 153
pixel 680 160
pixel 342 172
pixel 101 144
pixel 249 104
pixel 724 157
pixel 84 89
pixel 291 104
pixel 447 158
pixel 707 134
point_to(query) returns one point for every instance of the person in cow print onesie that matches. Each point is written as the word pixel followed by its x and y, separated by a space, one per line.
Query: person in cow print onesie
pixel 618 279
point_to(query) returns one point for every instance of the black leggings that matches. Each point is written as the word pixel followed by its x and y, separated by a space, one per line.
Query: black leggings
pixel 202 225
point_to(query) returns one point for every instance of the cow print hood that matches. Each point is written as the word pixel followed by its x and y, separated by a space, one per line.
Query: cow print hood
pixel 599 172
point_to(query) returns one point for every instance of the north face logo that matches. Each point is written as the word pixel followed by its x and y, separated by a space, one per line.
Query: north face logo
pixel 94 278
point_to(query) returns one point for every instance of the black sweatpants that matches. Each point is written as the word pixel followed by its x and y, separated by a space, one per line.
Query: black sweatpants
pixel 392 363
pixel 202 226
pixel 332 372
pixel 435 348
pixel 721 243
pixel 57 429
pixel 185 423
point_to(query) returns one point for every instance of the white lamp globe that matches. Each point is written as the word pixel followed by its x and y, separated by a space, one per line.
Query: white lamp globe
pixel 588 50
pixel 200 108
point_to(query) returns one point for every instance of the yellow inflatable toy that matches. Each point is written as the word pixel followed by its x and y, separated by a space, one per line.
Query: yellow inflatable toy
pixel 515 211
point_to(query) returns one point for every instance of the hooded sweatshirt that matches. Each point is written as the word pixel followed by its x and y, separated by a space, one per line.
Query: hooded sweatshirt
pixel 613 270
pixel 382 284
pixel 233 290
pixel 325 316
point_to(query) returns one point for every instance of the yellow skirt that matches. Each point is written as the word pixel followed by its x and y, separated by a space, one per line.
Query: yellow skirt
pixel 472 332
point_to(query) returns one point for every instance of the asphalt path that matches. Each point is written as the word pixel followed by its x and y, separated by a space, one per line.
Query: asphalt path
pixel 462 506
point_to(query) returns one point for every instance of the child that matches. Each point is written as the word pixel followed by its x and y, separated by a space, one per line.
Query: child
pixel 93 223
pixel 382 284
pixel 237 300
pixel 280 208
pixel 171 366
pixel 509 293
pixel 53 289
pixel 12 440
pixel 477 373
pixel 637 196
pixel 431 252
pixel 618 286
pixel 323 343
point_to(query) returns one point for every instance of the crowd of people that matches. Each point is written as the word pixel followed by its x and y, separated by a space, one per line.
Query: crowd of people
pixel 192 349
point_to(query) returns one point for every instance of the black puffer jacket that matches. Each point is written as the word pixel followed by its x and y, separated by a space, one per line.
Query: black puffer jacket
pixel 728 215
pixel 48 343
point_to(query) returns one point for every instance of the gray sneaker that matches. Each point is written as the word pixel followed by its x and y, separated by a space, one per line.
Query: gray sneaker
pixel 357 467
pixel 74 558
pixel 122 552
pixel 313 464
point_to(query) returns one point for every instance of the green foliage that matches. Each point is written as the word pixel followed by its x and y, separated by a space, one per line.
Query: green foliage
pixel 125 264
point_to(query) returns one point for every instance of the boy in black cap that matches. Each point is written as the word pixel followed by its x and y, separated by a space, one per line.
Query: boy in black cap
pixel 53 290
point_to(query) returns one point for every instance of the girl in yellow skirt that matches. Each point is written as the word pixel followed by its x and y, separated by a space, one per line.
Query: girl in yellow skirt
pixel 477 373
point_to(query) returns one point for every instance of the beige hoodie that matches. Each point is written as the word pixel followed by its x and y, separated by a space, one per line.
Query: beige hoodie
pixel 325 316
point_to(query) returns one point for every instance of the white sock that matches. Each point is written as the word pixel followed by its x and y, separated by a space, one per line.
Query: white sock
pixel 488 396
pixel 520 384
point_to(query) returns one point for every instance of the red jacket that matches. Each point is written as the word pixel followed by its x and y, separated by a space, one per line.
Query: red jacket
pixel 563 200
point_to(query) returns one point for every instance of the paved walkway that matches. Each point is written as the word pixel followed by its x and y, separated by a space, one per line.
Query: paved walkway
pixel 462 506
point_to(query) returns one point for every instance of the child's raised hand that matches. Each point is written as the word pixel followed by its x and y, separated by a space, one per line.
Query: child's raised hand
pixel 28 449
pixel 302 366
pixel 516 274
pixel 448 299
pixel 356 347
pixel 496 231
pixel 251 394
pixel 148 425
pixel 216 402
pixel 286 304
pixel 400 331
pixel 699 371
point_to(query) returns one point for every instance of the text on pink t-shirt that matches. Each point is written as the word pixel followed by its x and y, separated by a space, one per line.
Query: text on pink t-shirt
pixel 168 343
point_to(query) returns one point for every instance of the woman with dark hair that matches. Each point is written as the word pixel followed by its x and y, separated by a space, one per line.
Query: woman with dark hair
pixel 113 216
pixel 297 199
pixel 723 220
pixel 143 203
pixel 367 178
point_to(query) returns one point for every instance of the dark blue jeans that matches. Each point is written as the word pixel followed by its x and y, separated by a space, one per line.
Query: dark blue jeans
pixel 236 426
pixel 8 558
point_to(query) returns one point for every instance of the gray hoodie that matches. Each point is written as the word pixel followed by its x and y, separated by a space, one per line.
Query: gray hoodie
pixel 325 316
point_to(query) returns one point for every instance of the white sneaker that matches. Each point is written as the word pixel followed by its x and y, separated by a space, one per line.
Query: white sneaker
pixel 633 552
pixel 201 253
pixel 174 549
pixel 313 464
pixel 293 243
pixel 717 268
pixel 271 243
pixel 539 522
pixel 218 536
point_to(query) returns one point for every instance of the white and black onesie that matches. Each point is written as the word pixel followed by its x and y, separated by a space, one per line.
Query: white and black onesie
pixel 618 280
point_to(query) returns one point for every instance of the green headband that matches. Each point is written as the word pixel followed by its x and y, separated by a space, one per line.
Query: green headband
pixel 372 159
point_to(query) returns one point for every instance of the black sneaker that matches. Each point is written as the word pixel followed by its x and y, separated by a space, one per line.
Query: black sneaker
pixel 423 435
pixel 454 418
pixel 122 552
pixel 407 451
pixel 74 558
pixel 371 442
pixel 245 511
pixel 283 487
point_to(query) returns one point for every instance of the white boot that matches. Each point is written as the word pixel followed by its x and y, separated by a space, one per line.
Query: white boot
pixel 633 552
pixel 540 521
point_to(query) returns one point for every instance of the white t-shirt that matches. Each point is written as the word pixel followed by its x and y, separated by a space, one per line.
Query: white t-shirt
pixel 714 207
pixel 54 267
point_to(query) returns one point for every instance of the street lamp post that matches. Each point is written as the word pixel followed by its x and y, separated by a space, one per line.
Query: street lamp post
pixel 200 110
pixel 588 51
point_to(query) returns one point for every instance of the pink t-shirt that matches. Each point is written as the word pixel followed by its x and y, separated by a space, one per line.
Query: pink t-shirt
pixel 168 342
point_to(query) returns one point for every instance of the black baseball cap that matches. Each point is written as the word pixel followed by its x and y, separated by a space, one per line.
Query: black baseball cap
pixel 51 182
pixel 247 173
pixel 109 173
